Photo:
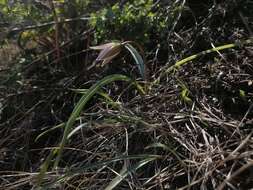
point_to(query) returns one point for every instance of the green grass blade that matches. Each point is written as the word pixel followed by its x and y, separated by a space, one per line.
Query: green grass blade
pixel 61 125
pixel 205 52
pixel 190 58
pixel 49 130
pixel 44 167
pixel 82 169
pixel 169 149
pixel 103 94
pixel 125 172
pixel 76 129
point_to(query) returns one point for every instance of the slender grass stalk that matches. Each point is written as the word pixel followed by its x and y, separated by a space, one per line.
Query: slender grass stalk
pixel 169 149
pixel 101 93
pixel 145 158
pixel 126 171
pixel 186 60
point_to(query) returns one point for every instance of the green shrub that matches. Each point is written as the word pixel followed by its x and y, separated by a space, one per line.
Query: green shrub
pixel 136 21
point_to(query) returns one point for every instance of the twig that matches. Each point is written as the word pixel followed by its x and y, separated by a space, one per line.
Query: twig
pixel 56 31
pixel 16 30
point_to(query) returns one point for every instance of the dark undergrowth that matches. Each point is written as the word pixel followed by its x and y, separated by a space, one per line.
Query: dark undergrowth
pixel 178 126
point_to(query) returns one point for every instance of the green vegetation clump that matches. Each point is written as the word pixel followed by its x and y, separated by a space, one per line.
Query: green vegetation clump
pixel 138 20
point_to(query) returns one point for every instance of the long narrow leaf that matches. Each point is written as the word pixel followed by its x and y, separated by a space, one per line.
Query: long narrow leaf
pixel 80 105
pixel 167 148
pixel 186 60
pixel 104 94
pixel 49 130
pixel 75 114
pixel 138 59
pixel 125 172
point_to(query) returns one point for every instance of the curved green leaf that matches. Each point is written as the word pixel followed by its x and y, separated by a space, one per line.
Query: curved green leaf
pixel 125 172
pixel 80 105
pixel 138 59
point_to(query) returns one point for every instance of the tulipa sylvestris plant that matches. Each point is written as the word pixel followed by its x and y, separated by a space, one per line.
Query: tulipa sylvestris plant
pixel 111 50
pixel 108 52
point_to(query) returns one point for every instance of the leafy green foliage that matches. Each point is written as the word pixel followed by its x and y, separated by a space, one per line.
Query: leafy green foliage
pixel 18 11
pixel 130 22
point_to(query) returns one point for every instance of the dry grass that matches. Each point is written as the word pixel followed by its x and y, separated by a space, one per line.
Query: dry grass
pixel 8 53
pixel 190 130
